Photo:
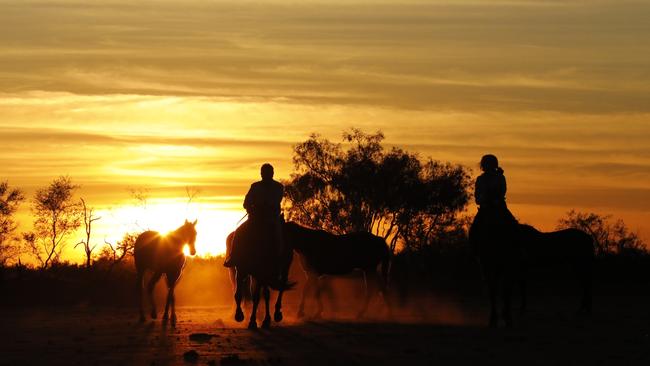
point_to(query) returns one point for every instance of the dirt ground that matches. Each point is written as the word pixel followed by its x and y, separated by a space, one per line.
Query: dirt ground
pixel 617 334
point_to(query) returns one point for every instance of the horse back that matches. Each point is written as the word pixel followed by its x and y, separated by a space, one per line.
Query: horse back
pixel 341 254
pixel 150 251
pixel 570 242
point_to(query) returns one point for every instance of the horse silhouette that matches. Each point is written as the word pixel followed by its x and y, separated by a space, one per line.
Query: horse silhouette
pixel 260 263
pixel 162 254
pixel 506 258
pixel 571 246
pixel 322 253
pixel 500 256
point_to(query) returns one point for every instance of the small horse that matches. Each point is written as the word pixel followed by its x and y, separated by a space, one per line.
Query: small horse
pixel 256 266
pixel 162 255
pixel 571 246
pixel 322 253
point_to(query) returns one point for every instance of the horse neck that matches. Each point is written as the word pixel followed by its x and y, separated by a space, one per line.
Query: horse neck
pixel 533 233
pixel 178 238
pixel 297 236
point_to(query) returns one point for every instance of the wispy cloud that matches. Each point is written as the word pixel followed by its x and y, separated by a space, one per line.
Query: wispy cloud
pixel 462 55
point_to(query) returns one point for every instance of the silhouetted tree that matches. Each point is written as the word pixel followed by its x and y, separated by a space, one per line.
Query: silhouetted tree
pixel 609 237
pixel 192 193
pixel 116 253
pixel 364 188
pixel 10 199
pixel 57 215
pixel 88 219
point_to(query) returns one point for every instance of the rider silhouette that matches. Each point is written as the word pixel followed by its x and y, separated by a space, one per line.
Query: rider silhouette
pixel 490 195
pixel 263 199
pixel 262 203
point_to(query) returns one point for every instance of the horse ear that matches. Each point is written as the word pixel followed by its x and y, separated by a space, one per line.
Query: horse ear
pixel 195 221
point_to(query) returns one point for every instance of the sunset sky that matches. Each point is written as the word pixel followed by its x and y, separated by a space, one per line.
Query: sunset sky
pixel 164 95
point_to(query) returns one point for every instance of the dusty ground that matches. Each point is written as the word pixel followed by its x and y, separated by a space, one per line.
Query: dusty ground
pixel 618 334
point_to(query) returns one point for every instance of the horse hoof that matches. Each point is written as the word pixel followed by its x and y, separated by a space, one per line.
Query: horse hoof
pixel 252 325
pixel 277 316
pixel 266 324
pixel 239 316
pixel 173 322
pixel 165 317
pixel 154 315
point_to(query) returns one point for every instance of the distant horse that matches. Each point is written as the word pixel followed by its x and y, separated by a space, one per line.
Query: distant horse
pixel 571 246
pixel 322 253
pixel 260 263
pixel 162 255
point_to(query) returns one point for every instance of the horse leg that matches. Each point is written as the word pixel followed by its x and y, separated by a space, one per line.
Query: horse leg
pixel 367 285
pixel 172 279
pixel 507 292
pixel 167 304
pixel 523 287
pixel 252 324
pixel 492 291
pixel 266 323
pixel 382 283
pixel 150 287
pixel 277 315
pixel 327 285
pixel 585 275
pixel 305 288
pixel 173 305
pixel 138 287
pixel 239 294
pixel 319 300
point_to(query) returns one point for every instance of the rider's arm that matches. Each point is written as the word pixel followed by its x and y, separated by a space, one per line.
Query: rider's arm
pixel 502 187
pixel 478 191
pixel 248 200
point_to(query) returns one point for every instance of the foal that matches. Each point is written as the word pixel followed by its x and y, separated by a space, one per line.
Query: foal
pixel 162 255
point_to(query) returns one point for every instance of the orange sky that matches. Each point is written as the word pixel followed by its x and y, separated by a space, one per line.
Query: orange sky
pixel 168 94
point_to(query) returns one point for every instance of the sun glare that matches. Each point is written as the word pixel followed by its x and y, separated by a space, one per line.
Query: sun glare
pixel 213 224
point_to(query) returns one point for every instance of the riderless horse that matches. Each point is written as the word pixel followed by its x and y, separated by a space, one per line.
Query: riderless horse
pixel 322 254
pixel 162 254
pixel 571 246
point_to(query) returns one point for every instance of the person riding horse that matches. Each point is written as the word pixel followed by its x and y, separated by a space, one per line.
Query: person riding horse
pixel 493 237
pixel 262 203
pixel 493 215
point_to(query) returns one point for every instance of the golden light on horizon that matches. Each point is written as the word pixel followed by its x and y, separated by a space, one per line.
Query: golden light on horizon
pixel 213 224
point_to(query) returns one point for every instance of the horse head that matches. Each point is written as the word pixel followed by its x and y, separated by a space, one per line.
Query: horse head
pixel 189 235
